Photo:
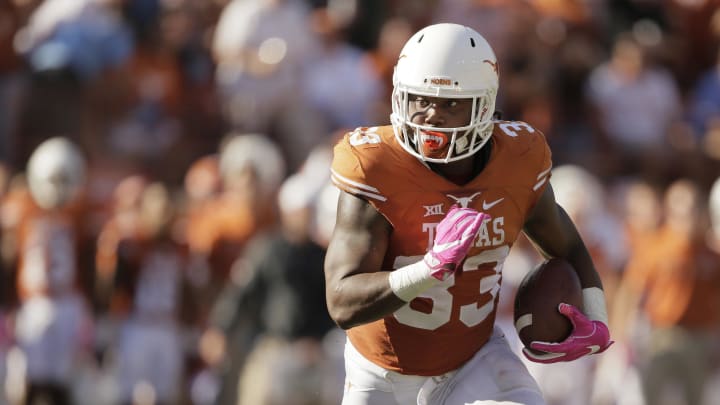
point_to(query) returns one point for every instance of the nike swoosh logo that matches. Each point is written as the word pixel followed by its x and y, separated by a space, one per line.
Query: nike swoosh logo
pixel 594 349
pixel 487 206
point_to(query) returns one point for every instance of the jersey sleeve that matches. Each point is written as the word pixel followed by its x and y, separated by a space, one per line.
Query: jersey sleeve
pixel 352 165
pixel 527 156
pixel 542 168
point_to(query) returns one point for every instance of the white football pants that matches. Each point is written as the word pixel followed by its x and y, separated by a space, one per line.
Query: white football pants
pixel 495 375
pixel 52 333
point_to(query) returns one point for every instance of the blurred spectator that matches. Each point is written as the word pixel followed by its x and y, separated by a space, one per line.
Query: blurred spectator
pixel 54 326
pixel 82 37
pixel 622 14
pixel 393 35
pixel 68 45
pixel 202 180
pixel 635 105
pixel 493 19
pixel 149 127
pixel 124 224
pixel 692 38
pixel 16 203
pixel 251 169
pixel 7 290
pixel 617 377
pixel 350 104
pixel 151 273
pixel 14 199
pixel 277 295
pixel 185 29
pixel 704 109
pixel 262 49
pixel 642 213
pixel 202 187
pixel 154 104
pixel 570 136
pixel 674 283
pixel 13 80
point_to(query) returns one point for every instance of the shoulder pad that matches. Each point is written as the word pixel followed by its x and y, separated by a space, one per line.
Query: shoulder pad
pixel 361 160
pixel 523 144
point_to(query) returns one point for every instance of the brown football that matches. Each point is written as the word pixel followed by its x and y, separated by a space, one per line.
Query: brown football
pixel 536 302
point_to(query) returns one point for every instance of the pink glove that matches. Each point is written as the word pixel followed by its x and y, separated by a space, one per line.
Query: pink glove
pixel 453 237
pixel 588 337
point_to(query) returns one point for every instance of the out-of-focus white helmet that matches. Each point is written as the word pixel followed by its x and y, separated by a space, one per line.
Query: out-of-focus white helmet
pixel 584 198
pixel 256 152
pixel 55 173
pixel 449 61
pixel 578 191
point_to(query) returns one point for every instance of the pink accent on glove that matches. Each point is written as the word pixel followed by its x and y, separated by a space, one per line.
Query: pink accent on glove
pixel 588 337
pixel 454 236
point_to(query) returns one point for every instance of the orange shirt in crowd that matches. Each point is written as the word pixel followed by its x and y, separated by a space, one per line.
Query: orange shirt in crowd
pixel 679 279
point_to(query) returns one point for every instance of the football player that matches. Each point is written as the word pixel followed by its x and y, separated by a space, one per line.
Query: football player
pixel 429 209
pixel 53 327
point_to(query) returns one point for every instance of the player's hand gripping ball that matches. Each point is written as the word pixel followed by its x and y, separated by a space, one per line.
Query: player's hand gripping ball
pixel 537 318
pixel 549 316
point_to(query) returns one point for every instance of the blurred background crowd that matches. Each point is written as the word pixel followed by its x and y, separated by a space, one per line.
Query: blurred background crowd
pixel 165 203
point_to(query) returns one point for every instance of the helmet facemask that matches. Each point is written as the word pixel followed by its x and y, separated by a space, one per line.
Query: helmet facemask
pixel 463 141
pixel 446 61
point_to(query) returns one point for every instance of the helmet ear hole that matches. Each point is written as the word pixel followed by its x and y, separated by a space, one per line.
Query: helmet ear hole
pixel 437 62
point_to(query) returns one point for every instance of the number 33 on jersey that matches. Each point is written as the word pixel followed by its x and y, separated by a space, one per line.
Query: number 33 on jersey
pixel 443 327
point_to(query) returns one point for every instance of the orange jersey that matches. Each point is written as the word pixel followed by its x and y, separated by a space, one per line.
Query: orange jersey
pixel 680 281
pixel 219 228
pixel 48 252
pixel 443 327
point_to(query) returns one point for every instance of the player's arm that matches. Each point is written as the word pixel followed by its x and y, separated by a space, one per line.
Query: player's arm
pixel 555 235
pixel 552 231
pixel 357 291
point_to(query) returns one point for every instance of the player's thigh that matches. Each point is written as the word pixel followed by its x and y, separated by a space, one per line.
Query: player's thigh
pixel 495 375
pixel 368 384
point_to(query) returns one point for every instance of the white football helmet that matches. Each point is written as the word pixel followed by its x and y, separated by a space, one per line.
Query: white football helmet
pixel 55 173
pixel 449 61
